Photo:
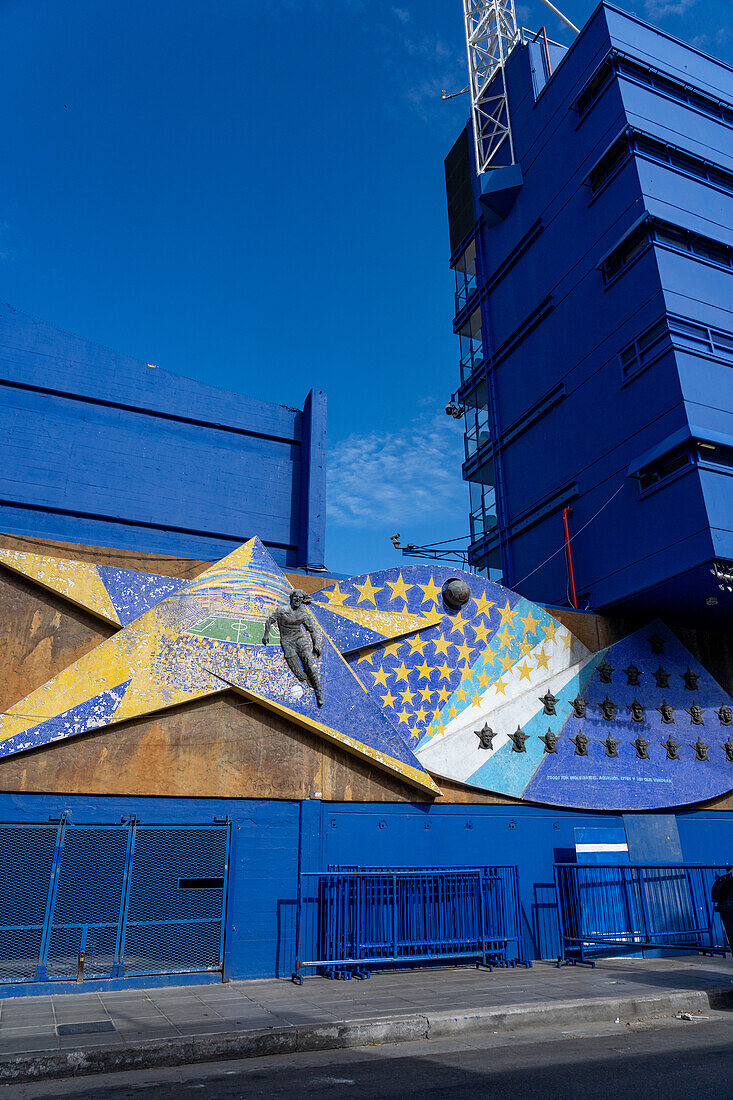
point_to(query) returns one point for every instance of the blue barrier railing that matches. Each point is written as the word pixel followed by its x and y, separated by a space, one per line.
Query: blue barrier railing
pixel 352 920
pixel 606 908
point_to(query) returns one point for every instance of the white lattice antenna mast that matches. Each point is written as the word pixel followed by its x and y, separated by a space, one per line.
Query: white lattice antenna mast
pixel 491 32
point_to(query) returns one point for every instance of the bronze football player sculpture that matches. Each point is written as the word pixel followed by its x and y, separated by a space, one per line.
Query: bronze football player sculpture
pixel 300 639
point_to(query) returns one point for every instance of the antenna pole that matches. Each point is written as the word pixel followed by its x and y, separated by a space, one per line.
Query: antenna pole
pixel 491 34
pixel 560 16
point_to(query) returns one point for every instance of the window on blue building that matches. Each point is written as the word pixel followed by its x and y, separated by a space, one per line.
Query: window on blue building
pixel 464 270
pixel 663 468
pixel 608 165
pixel 674 237
pixel 477 428
pixel 644 349
pixel 622 255
pixel 483 510
pixel 471 345
pixel 594 87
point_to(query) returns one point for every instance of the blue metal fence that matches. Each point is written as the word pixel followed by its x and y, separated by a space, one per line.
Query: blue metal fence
pixel 111 901
pixel 604 908
pixel 351 920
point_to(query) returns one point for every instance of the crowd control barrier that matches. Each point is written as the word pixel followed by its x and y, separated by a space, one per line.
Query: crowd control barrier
pixel 605 908
pixel 352 920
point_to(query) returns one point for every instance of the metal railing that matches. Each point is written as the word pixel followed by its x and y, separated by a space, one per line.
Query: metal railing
pixel 350 920
pixel 605 908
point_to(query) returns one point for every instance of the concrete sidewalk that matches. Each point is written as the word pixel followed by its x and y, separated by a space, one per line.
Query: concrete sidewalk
pixel 79 1033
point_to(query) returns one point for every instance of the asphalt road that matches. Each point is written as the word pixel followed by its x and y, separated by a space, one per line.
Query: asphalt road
pixel 664 1060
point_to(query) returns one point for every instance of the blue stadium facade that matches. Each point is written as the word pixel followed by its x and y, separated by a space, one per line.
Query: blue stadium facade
pixel 594 307
pixel 105 450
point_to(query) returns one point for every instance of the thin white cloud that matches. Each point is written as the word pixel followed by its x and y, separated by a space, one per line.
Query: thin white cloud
pixel 658 9
pixel 398 477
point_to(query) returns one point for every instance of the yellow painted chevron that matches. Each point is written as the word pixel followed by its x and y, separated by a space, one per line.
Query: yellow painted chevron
pixel 78 581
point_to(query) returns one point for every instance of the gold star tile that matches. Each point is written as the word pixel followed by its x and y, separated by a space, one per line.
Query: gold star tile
pixel 464 651
pixel 542 659
pixel 404 716
pixel 505 638
pixel 482 631
pixel 499 687
pixel 506 662
pixel 402 673
pixel 524 671
pixel 550 628
pixel 483 605
pixel 381 676
pixel 425 694
pixel 417 644
pixel 389 699
pixel 507 614
pixel 399 589
pixel 407 696
pixel 442 645
pixel 529 622
pixel 336 597
pixel 424 671
pixel 445 672
pixel 368 591
pixel 442 695
pixel 431 590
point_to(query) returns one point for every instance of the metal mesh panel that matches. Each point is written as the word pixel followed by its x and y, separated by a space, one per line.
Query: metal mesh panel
pixel 176 900
pixel 88 901
pixel 26 861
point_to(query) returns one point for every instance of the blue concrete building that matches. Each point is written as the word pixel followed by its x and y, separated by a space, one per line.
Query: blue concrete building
pixel 594 308
pixel 102 449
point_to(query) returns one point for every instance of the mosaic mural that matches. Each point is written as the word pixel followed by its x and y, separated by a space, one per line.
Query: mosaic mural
pixel 501 697
pixel 205 636
pixel 422 670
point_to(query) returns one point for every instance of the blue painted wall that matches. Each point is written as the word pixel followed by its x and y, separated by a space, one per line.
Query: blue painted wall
pixel 267 837
pixel 569 423
pixel 103 449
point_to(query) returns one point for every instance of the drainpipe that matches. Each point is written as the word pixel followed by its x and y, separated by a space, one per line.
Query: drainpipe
pixel 569 556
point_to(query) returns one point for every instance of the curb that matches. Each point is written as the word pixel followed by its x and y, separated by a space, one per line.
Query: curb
pixel 295 1039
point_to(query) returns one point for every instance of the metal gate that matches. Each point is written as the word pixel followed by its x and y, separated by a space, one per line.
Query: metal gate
pixel 111 901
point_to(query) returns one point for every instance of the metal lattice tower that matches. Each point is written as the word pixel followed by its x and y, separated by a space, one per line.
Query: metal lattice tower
pixel 491 32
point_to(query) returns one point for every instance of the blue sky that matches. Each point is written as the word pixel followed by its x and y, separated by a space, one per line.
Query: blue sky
pixel 250 192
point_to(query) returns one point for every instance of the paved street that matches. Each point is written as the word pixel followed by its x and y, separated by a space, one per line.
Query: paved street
pixel 664 1059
